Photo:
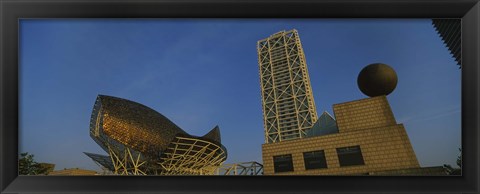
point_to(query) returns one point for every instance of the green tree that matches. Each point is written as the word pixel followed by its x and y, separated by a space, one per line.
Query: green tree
pixel 28 166
pixel 459 158
pixel 455 171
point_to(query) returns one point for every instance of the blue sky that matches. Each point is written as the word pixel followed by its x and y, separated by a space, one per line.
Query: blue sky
pixel 204 72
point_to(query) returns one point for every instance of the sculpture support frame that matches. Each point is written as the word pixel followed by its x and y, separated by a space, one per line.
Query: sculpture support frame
pixel 126 165
pixel 199 160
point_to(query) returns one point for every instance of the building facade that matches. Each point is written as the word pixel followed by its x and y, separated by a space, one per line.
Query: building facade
pixel 288 105
pixel 368 140
pixel 450 31
pixel 363 138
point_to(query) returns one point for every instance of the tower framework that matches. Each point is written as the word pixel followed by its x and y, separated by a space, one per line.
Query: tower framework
pixel 287 99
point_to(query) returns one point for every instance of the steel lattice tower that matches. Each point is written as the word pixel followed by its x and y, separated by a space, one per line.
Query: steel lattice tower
pixel 288 104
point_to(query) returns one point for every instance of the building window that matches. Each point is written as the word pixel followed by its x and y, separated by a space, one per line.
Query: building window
pixel 349 156
pixel 314 160
pixel 283 163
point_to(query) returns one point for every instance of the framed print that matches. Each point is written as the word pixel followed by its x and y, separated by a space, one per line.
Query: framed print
pixel 239 96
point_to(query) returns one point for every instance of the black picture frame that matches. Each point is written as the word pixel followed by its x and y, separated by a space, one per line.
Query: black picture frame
pixel 13 10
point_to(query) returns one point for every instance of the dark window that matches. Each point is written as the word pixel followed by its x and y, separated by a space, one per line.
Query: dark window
pixel 283 163
pixel 349 156
pixel 314 160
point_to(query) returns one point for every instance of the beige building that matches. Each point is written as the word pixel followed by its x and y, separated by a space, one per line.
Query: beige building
pixel 365 139
pixel 73 172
